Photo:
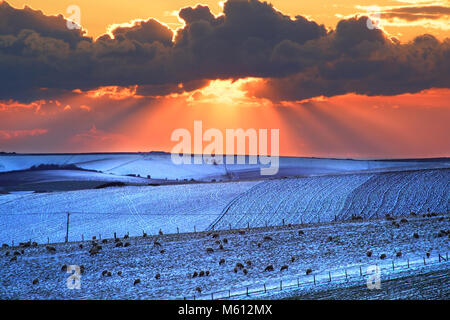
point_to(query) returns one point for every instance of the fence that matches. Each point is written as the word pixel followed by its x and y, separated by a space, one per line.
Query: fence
pixel 354 273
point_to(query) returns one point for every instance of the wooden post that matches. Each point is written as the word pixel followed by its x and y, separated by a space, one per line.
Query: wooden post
pixel 408 263
pixel 281 284
pixel 100 236
pixel 265 290
pixel 360 271
pixel 178 230
pixel 82 237
pixel 346 275
pixel 283 222
pixel 230 225
pixel 247 290
pixel 329 274
pixel 48 240
pixel 424 263
pixel 212 295
pixel 314 278
pixel 115 236
pixel 195 230
pixel 298 282
pixel 67 228
pixel 229 293
pixel 393 266
pixel 248 225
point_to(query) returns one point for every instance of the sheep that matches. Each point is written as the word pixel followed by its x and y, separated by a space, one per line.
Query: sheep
pixel 259 244
pixel 82 268
pixel 248 262
pixel 104 241
pixel 416 235
pixel 399 254
pixel 308 271
pixel 160 232
pixel 412 213
pixel 388 217
pixel 221 262
pixel 119 273
pixel 5 245
pixel 382 256
pixel 7 253
pixel 137 281
pixel 209 250
pixel 241 232
pixel 36 281
pixel 126 236
pixel 292 259
pixel 428 254
pixel 217 242
pixel 268 238
pixel 195 274
pixel 198 289
pixel 119 244
pixel 285 267
pixel 369 253
pixel 221 247
pixel 50 248
pixel 404 220
pixel 215 235
pixel 127 244
pixel 116 239
pixel 157 276
pixel 162 251
pixel 225 240
pixel 64 268
pixel 235 270
pixel 104 272
pixel 13 259
pixel 301 232
pixel 94 237
pixel 245 271
pixel 34 244
pixel 156 244
pixel 269 268
pixel 25 244
pixel 441 219
pixel 16 253
pixel 356 217
pixel 94 250
pixel 80 246
pixel 144 235
pixel 207 273
pixel 201 273
pixel 330 238
pixel 108 273
pixel 395 224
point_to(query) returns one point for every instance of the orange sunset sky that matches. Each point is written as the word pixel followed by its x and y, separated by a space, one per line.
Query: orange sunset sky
pixel 329 94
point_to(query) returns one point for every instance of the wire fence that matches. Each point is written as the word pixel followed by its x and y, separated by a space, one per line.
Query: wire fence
pixel 56 227
pixel 345 275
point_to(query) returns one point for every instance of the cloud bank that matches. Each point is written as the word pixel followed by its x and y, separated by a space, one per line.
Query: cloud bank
pixel 297 58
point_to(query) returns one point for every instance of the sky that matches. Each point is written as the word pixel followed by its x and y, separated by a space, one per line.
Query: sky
pixel 350 79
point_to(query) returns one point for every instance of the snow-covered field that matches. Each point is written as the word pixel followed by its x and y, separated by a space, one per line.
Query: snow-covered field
pixel 327 198
pixel 185 254
pixel 130 209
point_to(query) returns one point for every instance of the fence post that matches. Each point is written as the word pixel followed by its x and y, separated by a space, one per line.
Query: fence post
pixel 229 293
pixel 248 225
pixel 329 274
pixel 314 278
pixel 298 282
pixel 67 228
pixel 178 230
pixel 393 266
pixel 212 295
pixel 115 236
pixel 346 275
pixel 195 230
pixel 265 289
pixel 424 263
pixel 48 240
pixel 247 291
pixel 281 284
pixel 229 225
pixel 408 263
pixel 100 236
pixel 360 271
pixel 283 222
pixel 82 237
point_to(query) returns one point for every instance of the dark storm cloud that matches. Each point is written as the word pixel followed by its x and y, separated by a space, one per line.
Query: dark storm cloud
pixel 414 13
pixel 299 58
